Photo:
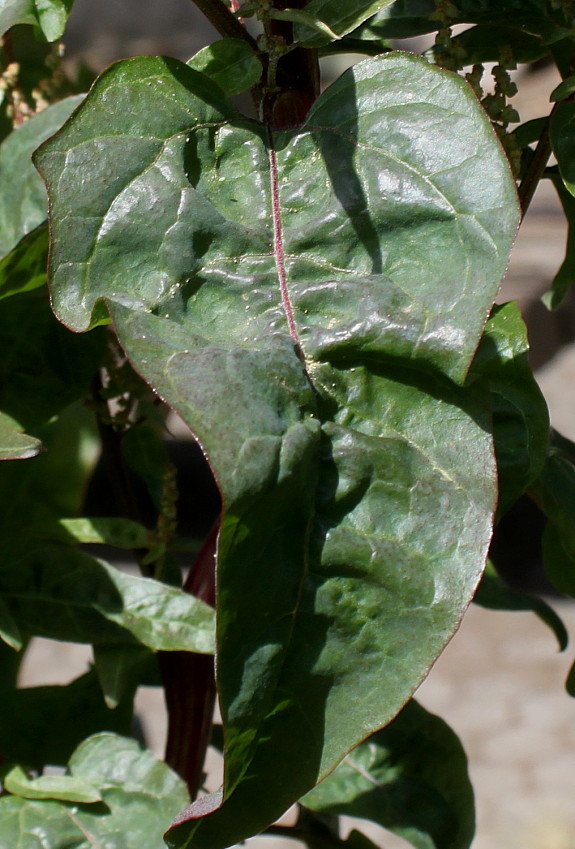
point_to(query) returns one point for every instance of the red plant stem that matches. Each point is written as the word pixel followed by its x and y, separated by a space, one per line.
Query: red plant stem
pixel 189 683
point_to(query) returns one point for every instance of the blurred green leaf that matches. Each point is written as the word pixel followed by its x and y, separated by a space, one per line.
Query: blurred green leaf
pixel 520 415
pixel 119 668
pixel 42 726
pixel 23 203
pixel 565 277
pixel 60 592
pixel 488 43
pixel 48 15
pixel 494 594
pixel 554 492
pixel 121 533
pixel 43 366
pixel 139 792
pixel 230 63
pixel 24 267
pixel 67 788
pixel 15 445
pixel 52 484
pixel 411 778
pixel 562 135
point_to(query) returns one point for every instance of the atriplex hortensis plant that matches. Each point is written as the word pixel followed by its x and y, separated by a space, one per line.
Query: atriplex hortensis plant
pixel 310 287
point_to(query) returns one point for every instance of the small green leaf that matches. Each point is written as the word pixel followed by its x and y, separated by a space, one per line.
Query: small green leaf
pixel 562 135
pixel 570 682
pixel 66 788
pixel 565 277
pixel 493 594
pixel 118 668
pixel 563 90
pixel 121 533
pixel 520 415
pixel 326 20
pixel 554 492
pixel 24 267
pixel 230 63
pixel 410 778
pixel 139 792
pixel 299 16
pixel 9 631
pixel 23 203
pixel 15 445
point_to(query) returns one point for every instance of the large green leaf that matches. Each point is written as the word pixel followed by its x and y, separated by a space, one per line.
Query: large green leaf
pixel 411 778
pixel 57 591
pixel 23 204
pixel 288 293
pixel 139 793
pixel 49 15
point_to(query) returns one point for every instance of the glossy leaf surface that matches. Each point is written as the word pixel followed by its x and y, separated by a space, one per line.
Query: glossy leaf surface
pixel 287 293
pixel 410 778
pixel 23 204
pixel 139 793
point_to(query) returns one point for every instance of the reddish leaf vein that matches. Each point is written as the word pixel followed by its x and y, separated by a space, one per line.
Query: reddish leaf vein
pixel 279 248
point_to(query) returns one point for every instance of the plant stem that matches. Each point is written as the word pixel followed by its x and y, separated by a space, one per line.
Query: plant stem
pixel 224 22
pixel 189 684
pixel 535 169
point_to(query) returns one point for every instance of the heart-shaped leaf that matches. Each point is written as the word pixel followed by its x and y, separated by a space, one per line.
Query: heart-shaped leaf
pixel 301 297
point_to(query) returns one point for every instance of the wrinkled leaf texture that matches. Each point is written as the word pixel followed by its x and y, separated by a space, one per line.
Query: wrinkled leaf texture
pixel 305 299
